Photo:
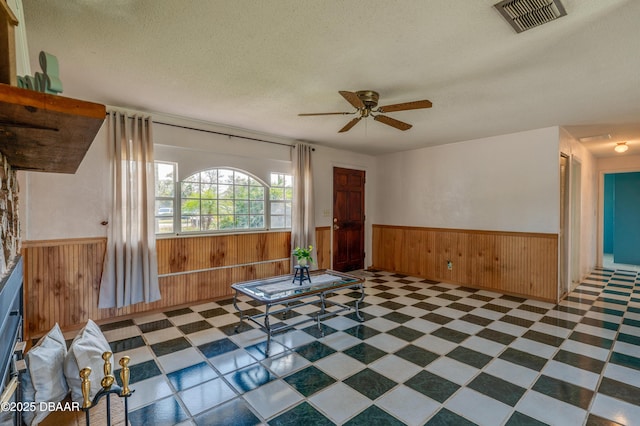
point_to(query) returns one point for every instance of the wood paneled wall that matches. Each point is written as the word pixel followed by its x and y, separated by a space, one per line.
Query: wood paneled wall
pixel 187 254
pixel 323 247
pixel 510 262
pixel 62 277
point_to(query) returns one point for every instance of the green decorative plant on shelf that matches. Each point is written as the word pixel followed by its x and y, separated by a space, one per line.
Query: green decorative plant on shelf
pixel 303 255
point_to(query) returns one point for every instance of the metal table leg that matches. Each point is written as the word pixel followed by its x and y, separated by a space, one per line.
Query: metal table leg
pixel 235 305
pixel 358 303
pixel 267 327
pixel 322 311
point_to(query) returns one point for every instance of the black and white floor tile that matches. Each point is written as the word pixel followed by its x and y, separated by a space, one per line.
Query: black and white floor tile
pixel 427 353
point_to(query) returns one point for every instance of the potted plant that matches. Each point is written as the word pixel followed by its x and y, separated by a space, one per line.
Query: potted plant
pixel 303 255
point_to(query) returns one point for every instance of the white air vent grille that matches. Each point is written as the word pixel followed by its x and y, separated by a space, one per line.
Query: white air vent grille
pixel 526 14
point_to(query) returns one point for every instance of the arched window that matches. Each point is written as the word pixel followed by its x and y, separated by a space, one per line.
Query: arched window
pixel 222 199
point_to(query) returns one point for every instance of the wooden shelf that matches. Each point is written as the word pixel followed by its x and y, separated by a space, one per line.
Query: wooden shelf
pixel 46 133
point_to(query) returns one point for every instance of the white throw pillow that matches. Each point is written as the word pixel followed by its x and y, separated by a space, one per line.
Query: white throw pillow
pixel 44 379
pixel 86 351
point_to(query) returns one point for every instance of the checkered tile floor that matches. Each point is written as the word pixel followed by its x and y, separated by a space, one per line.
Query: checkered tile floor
pixel 427 353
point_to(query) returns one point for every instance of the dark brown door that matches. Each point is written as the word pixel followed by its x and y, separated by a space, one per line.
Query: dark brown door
pixel 348 219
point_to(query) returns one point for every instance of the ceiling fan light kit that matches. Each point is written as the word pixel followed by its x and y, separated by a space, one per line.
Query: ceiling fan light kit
pixel 366 104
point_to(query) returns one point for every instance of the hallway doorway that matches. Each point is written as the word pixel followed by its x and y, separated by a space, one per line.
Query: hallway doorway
pixel 621 228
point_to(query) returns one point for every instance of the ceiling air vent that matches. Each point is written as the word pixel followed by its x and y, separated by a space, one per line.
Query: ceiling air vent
pixel 526 14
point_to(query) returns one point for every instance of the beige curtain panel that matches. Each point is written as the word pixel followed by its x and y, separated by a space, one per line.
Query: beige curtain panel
pixel 303 225
pixel 130 272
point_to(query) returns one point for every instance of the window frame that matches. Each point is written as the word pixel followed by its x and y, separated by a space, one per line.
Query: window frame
pixel 177 202
pixel 161 198
pixel 286 201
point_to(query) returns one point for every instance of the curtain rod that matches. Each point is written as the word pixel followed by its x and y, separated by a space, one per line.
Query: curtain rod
pixel 222 133
pixel 225 134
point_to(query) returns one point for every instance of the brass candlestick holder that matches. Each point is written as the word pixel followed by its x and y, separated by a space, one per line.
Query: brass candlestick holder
pixel 124 375
pixel 109 387
pixel 86 387
pixel 108 378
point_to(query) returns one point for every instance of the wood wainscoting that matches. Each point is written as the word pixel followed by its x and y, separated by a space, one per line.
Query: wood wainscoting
pixel 323 247
pixel 62 277
pixel 516 263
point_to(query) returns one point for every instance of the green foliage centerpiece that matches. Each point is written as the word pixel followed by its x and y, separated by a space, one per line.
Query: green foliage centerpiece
pixel 303 255
pixel 302 268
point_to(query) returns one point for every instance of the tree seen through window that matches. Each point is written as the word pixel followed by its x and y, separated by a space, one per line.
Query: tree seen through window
pixel 221 199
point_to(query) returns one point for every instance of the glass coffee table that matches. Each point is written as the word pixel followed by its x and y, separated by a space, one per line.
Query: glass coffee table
pixel 280 292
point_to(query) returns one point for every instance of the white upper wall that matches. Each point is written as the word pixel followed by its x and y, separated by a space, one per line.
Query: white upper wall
pixel 325 160
pixel 502 183
pixel 619 164
pixel 507 183
pixel 196 150
pixel 58 206
pixel 588 200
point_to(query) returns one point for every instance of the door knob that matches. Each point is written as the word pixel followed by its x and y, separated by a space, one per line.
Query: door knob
pixel 335 227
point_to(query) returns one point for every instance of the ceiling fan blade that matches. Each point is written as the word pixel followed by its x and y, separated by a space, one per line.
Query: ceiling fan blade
pixel 406 106
pixel 326 113
pixel 350 125
pixel 352 98
pixel 400 125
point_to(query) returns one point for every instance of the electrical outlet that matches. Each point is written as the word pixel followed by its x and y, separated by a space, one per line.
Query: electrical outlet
pixel 449 265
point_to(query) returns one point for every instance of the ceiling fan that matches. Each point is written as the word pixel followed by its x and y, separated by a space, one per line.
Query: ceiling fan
pixel 366 104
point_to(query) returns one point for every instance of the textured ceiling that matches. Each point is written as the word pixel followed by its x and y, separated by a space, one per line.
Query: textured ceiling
pixel 256 64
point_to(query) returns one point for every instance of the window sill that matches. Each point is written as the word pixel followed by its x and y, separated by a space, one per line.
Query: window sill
pixel 221 234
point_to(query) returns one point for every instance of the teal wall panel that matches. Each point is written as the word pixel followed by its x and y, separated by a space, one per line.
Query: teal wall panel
pixel 626 247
